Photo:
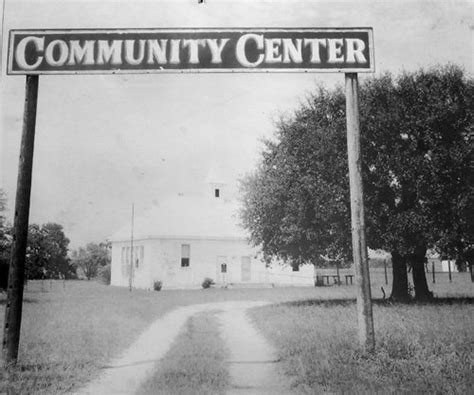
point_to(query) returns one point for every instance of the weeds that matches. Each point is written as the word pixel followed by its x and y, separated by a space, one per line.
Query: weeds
pixel 195 364
pixel 318 345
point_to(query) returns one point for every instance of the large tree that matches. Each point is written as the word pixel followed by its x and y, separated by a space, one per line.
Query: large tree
pixel 415 164
pixel 46 253
pixel 296 204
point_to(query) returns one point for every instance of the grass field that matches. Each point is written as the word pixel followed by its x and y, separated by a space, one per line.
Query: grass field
pixel 195 364
pixel 419 348
pixel 70 330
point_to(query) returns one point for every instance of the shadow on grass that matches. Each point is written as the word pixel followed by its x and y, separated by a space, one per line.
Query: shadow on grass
pixel 378 302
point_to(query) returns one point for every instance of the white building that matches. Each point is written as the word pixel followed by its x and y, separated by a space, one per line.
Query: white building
pixel 186 239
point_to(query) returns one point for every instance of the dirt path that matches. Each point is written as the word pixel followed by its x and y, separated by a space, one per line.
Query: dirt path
pixel 252 365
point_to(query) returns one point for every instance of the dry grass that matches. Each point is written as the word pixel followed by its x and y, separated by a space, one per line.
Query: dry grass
pixel 420 348
pixel 195 364
pixel 70 330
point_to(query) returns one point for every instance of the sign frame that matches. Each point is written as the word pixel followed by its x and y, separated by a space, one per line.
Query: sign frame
pixel 184 70
pixel 13 310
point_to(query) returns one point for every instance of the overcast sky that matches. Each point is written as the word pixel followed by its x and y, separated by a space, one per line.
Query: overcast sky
pixel 103 142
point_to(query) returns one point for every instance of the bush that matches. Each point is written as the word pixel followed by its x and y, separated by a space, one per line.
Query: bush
pixel 157 285
pixel 207 282
pixel 104 274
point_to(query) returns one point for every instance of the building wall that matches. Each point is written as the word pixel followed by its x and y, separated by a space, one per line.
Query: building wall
pixel 161 260
pixel 285 275
pixel 142 258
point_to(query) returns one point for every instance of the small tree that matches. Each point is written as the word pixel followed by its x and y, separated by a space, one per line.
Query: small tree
pixel 91 258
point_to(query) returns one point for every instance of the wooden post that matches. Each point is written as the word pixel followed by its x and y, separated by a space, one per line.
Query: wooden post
pixel 449 272
pixel 385 271
pixel 16 275
pixel 337 272
pixel 359 247
pixel 433 271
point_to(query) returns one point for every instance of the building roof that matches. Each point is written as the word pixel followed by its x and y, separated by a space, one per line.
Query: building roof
pixel 187 217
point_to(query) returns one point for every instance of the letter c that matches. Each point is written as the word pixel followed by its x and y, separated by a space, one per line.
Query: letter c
pixel 20 52
pixel 240 49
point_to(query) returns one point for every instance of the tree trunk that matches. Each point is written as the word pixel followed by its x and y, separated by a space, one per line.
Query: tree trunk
pixel 417 261
pixel 400 279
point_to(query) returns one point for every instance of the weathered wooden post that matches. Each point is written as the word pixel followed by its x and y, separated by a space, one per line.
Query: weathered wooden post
pixel 359 247
pixel 449 272
pixel 433 270
pixel 16 275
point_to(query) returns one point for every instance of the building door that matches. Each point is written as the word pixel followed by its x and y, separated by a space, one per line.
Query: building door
pixel 222 269
pixel 246 269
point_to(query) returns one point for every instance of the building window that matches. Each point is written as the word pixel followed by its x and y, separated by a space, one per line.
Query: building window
pixel 216 192
pixel 185 255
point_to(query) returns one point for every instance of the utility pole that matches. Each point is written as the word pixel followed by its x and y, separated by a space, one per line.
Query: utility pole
pixel 16 275
pixel 131 251
pixel 359 247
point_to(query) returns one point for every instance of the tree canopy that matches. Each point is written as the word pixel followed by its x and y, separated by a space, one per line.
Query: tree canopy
pixel 296 205
pixel 91 258
pixel 416 143
pixel 46 253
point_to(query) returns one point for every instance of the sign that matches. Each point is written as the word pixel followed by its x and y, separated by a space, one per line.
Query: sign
pixel 108 51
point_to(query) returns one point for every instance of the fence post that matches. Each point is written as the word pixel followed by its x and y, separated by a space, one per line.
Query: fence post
pixel 385 271
pixel 449 272
pixel 433 270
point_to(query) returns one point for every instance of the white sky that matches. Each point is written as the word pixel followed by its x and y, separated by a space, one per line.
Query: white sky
pixel 103 142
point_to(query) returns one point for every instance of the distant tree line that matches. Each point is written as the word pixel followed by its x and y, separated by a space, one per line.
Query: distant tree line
pixel 47 254
pixel 417 147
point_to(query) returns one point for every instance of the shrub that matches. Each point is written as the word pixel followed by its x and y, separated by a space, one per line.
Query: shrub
pixel 104 274
pixel 157 285
pixel 207 282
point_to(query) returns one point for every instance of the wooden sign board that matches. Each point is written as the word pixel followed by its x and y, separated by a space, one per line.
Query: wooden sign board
pixel 108 51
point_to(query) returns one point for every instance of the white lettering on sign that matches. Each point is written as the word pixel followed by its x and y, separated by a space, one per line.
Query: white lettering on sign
pixel 247 50
pixel 240 52
pixel 216 49
pixel 292 52
pixel 21 49
pixel 81 55
pixel 129 52
pixel 109 52
pixel 315 44
pixel 157 51
pixel 62 51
